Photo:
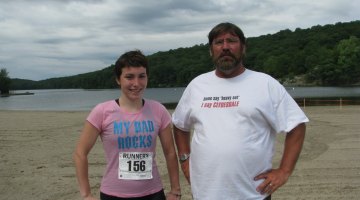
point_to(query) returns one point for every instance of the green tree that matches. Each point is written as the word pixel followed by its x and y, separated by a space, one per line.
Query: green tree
pixel 4 81
pixel 348 60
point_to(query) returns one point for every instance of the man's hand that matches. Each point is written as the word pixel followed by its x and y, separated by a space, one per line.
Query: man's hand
pixel 273 179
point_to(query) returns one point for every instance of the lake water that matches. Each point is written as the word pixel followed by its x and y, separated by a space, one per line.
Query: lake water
pixel 78 99
pixel 84 100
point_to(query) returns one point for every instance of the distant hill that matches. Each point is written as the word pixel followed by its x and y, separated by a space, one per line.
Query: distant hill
pixel 100 79
pixel 326 55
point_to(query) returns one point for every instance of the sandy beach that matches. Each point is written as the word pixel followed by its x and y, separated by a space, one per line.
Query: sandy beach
pixel 36 156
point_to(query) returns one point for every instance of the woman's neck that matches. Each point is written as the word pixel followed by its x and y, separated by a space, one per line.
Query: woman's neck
pixel 130 105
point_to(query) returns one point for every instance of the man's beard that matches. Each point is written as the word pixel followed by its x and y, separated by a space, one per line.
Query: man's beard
pixel 227 62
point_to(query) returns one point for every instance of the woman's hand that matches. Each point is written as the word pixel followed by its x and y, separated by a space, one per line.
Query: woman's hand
pixel 90 197
pixel 173 196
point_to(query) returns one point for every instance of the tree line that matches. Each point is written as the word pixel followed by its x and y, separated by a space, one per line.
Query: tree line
pixel 326 55
pixel 5 81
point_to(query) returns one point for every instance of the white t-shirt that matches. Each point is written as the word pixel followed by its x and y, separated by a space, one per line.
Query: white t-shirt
pixel 235 122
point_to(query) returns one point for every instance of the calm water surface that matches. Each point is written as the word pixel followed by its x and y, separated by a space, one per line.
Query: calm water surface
pixel 78 99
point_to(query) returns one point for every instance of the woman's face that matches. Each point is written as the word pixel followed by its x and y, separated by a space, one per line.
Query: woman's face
pixel 133 81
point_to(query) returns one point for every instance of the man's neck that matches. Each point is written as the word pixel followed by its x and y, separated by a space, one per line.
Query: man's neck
pixel 231 73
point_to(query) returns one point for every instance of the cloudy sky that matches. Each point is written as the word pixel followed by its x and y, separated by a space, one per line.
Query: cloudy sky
pixel 42 39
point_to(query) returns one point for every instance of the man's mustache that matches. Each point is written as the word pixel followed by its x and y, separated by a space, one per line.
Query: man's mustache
pixel 227 54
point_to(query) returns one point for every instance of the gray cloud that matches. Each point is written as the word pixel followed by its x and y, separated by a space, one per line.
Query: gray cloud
pixel 42 39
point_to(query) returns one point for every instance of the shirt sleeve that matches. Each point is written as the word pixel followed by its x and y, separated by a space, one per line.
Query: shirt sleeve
pixel 96 117
pixel 165 117
pixel 287 112
pixel 181 115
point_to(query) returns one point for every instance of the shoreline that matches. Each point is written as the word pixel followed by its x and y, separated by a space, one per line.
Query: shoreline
pixel 36 156
pixel 14 94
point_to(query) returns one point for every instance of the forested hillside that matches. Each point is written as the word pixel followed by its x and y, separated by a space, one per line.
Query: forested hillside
pixel 321 55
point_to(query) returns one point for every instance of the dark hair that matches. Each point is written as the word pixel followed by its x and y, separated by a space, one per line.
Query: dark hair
pixel 131 59
pixel 226 27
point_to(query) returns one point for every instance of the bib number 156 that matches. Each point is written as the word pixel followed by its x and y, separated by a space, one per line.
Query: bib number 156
pixel 136 165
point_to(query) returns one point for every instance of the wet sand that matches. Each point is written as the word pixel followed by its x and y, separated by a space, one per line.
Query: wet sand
pixel 36 156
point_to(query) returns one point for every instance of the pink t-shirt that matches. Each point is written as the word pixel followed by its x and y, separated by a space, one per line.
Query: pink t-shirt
pixel 129 136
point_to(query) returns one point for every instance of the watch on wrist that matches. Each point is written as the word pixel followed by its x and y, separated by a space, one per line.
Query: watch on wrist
pixel 184 157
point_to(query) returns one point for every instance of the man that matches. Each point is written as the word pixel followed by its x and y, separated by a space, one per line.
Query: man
pixel 235 114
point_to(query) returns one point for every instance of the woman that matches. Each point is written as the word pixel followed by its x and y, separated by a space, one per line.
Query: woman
pixel 128 127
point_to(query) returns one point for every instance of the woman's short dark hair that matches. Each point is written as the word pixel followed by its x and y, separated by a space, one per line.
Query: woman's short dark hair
pixel 226 27
pixel 131 59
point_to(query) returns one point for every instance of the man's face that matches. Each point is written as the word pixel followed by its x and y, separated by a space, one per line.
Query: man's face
pixel 227 52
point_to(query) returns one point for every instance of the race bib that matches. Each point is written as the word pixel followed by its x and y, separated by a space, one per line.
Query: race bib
pixel 135 165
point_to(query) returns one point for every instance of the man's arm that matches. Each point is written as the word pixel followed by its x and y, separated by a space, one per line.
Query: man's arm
pixel 182 141
pixel 275 178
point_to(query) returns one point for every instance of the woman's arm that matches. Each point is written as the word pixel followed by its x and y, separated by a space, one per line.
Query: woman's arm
pixel 87 140
pixel 167 142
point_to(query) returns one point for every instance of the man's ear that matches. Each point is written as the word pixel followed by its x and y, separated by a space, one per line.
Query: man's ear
pixel 210 52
